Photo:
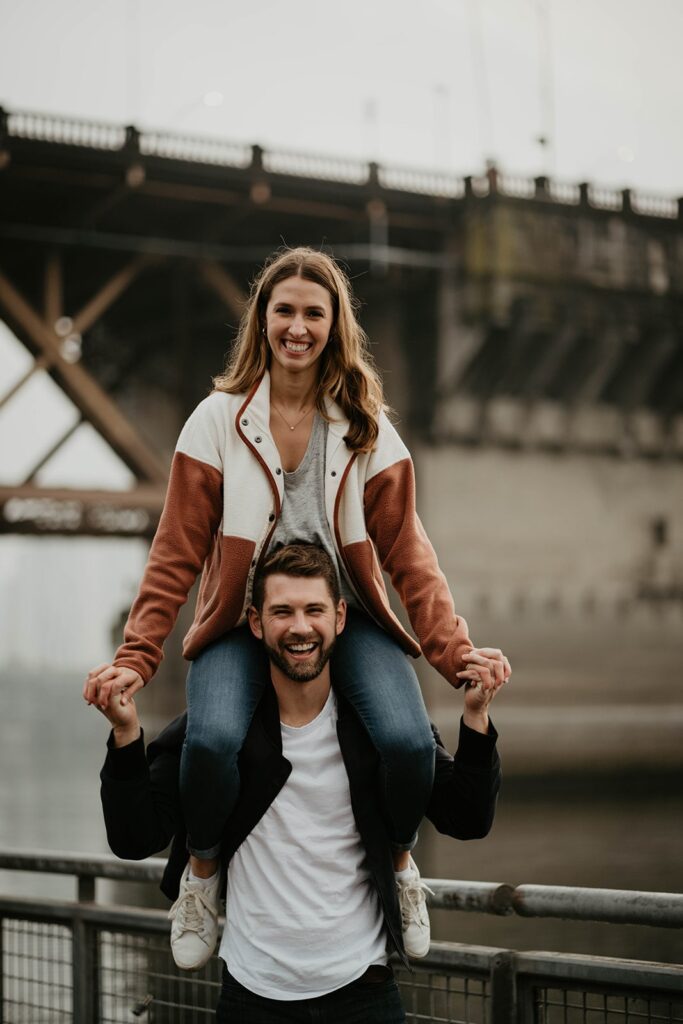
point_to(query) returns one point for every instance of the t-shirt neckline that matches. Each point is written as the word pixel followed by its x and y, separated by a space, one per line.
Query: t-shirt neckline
pixel 325 712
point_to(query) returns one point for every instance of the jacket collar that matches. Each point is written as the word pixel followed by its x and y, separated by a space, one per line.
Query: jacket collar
pixel 269 715
pixel 258 405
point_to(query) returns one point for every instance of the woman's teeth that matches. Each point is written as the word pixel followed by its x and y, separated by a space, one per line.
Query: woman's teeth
pixel 293 346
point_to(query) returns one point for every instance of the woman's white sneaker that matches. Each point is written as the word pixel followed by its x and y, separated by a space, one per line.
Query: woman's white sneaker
pixel 194 914
pixel 412 900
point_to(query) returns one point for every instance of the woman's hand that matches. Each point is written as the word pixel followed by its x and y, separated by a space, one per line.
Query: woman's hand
pixel 490 658
pixel 107 681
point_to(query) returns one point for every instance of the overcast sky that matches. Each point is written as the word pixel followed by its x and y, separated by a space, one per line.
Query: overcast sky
pixel 442 83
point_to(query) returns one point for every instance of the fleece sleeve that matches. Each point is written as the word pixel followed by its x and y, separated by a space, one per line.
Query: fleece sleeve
pixel 406 553
pixel 185 536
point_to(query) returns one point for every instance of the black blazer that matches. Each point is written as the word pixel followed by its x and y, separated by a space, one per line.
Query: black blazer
pixel 142 809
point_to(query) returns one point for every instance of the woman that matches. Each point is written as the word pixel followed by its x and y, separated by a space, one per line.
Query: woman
pixel 294 443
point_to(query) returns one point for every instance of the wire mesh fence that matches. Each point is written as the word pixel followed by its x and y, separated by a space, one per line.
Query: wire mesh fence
pixel 138 980
pixel 100 965
pixel 36 973
pixel 564 1005
pixel 439 998
pixel 131 977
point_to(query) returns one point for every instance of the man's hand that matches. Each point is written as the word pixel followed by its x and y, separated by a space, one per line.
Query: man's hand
pixel 487 670
pixel 122 715
pixel 107 681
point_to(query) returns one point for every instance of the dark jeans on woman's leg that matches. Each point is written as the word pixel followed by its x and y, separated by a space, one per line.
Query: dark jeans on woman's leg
pixel 360 1002
pixel 376 677
pixel 224 686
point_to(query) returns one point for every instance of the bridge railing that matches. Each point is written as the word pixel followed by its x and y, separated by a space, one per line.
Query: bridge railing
pixel 89 962
pixel 216 151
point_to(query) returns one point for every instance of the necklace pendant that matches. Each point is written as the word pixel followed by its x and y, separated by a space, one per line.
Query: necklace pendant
pixel 286 422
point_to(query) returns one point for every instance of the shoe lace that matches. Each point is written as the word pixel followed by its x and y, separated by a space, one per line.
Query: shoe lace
pixel 187 910
pixel 413 901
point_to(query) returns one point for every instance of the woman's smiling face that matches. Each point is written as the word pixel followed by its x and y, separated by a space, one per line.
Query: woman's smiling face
pixel 298 323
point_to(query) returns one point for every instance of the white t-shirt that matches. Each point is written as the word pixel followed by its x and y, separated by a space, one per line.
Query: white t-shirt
pixel 303 916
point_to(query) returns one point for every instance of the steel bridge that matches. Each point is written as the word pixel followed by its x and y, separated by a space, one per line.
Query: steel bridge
pixel 520 313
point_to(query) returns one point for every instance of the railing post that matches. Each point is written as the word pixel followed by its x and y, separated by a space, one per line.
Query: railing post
pixel 4 144
pixel 86 889
pixel 84 1010
pixel 503 1004
pixel 525 994
pixel 2 968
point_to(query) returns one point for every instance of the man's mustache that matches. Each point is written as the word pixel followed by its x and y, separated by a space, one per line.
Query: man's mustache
pixel 297 638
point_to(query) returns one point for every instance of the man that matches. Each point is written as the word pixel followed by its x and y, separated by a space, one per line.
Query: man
pixel 311 893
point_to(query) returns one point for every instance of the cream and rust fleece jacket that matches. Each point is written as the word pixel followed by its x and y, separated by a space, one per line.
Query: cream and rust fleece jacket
pixel 224 496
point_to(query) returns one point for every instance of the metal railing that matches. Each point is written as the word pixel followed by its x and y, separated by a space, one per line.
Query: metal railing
pixel 210 150
pixel 92 963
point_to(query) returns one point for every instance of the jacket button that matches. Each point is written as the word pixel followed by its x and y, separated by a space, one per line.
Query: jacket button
pixel 258 439
pixel 278 470
pixel 333 473
pixel 271 517
pixel 245 422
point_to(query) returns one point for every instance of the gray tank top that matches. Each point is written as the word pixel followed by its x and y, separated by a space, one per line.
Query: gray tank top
pixel 302 516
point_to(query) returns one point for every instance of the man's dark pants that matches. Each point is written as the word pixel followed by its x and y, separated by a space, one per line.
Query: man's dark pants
pixel 362 1002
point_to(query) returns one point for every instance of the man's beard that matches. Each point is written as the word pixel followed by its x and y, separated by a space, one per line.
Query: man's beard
pixel 304 671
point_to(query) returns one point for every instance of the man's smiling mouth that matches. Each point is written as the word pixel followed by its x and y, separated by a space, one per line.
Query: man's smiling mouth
pixel 301 649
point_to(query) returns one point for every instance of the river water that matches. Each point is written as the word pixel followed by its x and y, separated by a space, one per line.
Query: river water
pixel 601 831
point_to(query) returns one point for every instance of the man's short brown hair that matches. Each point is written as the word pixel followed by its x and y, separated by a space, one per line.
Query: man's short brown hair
pixel 297 559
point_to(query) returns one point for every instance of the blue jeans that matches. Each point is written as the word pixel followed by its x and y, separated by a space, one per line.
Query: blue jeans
pixel 224 685
pixel 361 1002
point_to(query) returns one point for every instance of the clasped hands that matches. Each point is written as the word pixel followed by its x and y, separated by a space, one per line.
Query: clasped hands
pixel 487 670
pixel 110 690
pixel 107 681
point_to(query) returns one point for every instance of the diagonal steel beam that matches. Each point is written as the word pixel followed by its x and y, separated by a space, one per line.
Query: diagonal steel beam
pixel 109 293
pixel 54 290
pixel 92 401
pixel 609 349
pixel 224 285
pixel 41 363
pixel 648 360
pixel 53 450
pixel 550 362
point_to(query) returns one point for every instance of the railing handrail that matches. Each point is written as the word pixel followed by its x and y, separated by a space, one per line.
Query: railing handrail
pixel 442 955
pixel 92 865
pixel 615 906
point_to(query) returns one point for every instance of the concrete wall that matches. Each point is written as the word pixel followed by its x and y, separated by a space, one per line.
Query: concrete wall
pixel 546 558
pixel 512 527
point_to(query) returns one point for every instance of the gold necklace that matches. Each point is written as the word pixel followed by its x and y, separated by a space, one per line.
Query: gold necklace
pixel 287 421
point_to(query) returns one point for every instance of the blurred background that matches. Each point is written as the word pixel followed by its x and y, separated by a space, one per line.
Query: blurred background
pixel 501 178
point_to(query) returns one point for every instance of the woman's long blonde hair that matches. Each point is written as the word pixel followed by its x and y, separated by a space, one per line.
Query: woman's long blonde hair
pixel 347 372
